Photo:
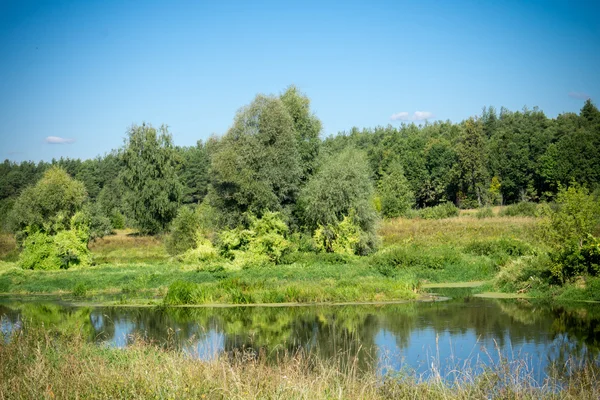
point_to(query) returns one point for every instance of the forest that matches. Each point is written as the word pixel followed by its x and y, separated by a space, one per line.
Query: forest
pixel 271 188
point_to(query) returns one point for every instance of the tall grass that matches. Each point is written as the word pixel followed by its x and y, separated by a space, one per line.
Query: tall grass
pixel 39 364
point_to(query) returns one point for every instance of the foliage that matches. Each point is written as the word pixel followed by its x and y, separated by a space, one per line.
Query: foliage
pixel 576 216
pixel 256 166
pixel 182 292
pixel 521 209
pixel 265 239
pixel 60 251
pixel 341 238
pixel 153 190
pixel 395 192
pixel 390 260
pixel 485 212
pixel 441 211
pixel 184 231
pixel 340 188
pixel 48 206
pixel 471 167
pixel 99 224
pixel 307 128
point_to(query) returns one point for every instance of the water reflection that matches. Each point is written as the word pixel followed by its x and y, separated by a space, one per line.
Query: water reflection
pixel 458 335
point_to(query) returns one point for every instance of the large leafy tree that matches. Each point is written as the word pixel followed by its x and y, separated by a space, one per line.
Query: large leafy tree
pixel 149 176
pixel 394 191
pixel 256 165
pixel 194 163
pixel 49 205
pixel 341 187
pixel 471 167
pixel 307 128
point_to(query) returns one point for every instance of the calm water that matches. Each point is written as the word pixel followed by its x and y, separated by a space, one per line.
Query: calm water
pixel 454 335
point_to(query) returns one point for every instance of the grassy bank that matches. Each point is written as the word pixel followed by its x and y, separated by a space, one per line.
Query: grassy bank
pixel 415 252
pixel 134 269
pixel 39 364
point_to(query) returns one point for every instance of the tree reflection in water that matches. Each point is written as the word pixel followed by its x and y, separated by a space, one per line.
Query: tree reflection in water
pixel 463 332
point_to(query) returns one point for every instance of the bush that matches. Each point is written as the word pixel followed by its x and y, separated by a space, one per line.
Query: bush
pixel 499 250
pixel 266 237
pixel 389 261
pixel 100 225
pixel 204 251
pixel 522 274
pixel 341 186
pixel 574 260
pixel 183 231
pixel 183 292
pixel 570 230
pixel 441 211
pixel 45 252
pixel 522 209
pixel 48 205
pixel 485 212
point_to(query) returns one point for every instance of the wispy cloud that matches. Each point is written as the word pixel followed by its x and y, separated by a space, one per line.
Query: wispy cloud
pixel 579 95
pixel 416 116
pixel 58 140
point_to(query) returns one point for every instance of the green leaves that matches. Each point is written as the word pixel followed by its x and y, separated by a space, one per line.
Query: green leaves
pixel 394 191
pixel 153 190
pixel 48 205
pixel 256 166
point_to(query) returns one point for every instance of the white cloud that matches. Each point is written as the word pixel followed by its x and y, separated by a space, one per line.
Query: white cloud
pixel 401 116
pixel 58 140
pixel 579 95
pixel 421 115
pixel 416 116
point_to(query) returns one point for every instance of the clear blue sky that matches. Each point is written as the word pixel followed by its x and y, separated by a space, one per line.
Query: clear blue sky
pixel 87 70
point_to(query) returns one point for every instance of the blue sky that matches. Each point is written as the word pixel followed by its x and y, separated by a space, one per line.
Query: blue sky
pixel 82 72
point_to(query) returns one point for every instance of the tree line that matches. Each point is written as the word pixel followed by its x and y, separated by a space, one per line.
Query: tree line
pixel 274 160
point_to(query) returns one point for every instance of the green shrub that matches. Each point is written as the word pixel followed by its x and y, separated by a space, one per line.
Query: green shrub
pixel 485 212
pixel 204 251
pixel 522 209
pixel 183 231
pixel 499 250
pixel 183 292
pixel 341 238
pixel 100 225
pixel 266 237
pixel 395 195
pixel 80 290
pixel 441 211
pixel 46 252
pixel 523 274
pixel 570 229
pixel 392 259
pixel 48 205
pixel 574 260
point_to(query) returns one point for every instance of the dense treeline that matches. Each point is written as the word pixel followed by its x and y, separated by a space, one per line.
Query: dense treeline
pixel 495 158
pixel 503 157
pixel 273 160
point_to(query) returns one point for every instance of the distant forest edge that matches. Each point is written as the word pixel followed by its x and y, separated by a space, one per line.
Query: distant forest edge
pixel 272 155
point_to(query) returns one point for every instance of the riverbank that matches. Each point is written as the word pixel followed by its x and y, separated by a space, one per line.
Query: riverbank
pixel 43 364
pixel 415 254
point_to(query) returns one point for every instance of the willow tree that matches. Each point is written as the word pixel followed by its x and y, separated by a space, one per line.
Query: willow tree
pixel 256 166
pixel 307 128
pixel 153 190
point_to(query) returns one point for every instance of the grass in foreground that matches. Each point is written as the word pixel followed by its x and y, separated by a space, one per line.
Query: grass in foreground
pixel 38 364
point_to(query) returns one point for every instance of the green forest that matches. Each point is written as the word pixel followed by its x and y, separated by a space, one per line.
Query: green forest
pixel 272 191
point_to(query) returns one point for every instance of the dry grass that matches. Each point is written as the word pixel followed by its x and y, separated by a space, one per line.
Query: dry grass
pixel 126 246
pixel 457 231
pixel 38 364
pixel 8 246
